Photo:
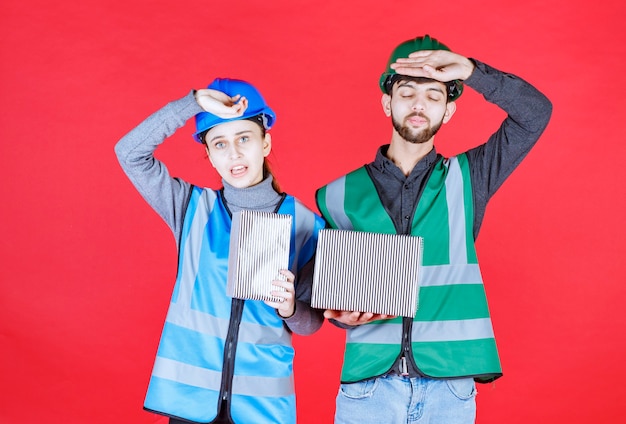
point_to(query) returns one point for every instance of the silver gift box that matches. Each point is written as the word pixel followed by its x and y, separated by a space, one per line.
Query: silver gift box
pixel 367 272
pixel 259 249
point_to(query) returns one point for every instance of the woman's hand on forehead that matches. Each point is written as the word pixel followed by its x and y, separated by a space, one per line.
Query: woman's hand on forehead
pixel 221 104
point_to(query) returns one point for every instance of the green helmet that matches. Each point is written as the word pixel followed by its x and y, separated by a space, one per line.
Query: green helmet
pixel 455 88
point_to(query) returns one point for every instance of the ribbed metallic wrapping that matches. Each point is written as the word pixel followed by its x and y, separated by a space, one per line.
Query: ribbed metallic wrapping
pixel 259 249
pixel 367 272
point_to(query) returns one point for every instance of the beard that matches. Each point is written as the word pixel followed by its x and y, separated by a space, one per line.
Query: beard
pixel 412 136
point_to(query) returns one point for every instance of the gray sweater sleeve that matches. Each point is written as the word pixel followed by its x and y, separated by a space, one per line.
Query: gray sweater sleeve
pixel 135 151
pixel 528 112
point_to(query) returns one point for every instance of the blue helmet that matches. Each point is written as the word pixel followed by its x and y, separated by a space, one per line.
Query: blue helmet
pixel 232 87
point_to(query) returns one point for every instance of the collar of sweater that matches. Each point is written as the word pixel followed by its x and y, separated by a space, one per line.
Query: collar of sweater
pixel 259 197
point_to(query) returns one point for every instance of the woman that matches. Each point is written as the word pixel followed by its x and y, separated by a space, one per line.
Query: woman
pixel 223 360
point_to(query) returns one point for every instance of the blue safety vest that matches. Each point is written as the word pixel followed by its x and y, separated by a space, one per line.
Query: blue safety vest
pixel 216 351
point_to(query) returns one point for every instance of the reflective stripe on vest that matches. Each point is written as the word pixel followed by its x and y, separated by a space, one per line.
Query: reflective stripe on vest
pixel 452 335
pixel 187 374
pixel 425 331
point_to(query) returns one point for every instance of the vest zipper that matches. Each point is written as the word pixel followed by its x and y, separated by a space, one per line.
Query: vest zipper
pixel 230 344
pixel 404 370
pixel 228 365
pixel 407 324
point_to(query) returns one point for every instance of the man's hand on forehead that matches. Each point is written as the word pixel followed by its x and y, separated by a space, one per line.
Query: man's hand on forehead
pixel 440 65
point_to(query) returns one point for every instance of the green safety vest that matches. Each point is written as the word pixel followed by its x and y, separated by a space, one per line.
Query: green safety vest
pixel 452 335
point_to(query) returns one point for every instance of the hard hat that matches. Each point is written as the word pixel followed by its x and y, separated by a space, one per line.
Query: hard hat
pixel 455 88
pixel 232 87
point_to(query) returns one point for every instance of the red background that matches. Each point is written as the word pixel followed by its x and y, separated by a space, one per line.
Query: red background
pixel 87 267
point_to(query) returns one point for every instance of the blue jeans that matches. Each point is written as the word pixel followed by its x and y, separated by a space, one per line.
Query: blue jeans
pixel 394 399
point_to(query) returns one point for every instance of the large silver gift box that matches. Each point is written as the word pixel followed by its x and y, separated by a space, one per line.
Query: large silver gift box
pixel 259 249
pixel 367 272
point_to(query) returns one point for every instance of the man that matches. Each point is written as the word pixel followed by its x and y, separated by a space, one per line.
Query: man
pixel 400 370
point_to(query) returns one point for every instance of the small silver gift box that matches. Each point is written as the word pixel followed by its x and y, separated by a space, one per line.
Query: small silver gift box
pixel 367 272
pixel 259 249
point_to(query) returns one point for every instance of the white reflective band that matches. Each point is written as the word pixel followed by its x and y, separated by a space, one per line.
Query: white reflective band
pixel 334 193
pixel 424 331
pixel 440 331
pixel 442 275
pixel 263 386
pixel 204 204
pixel 388 333
pixel 456 213
pixel 207 379
pixel 260 334
pixel 204 323
pixel 197 321
pixel 186 374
